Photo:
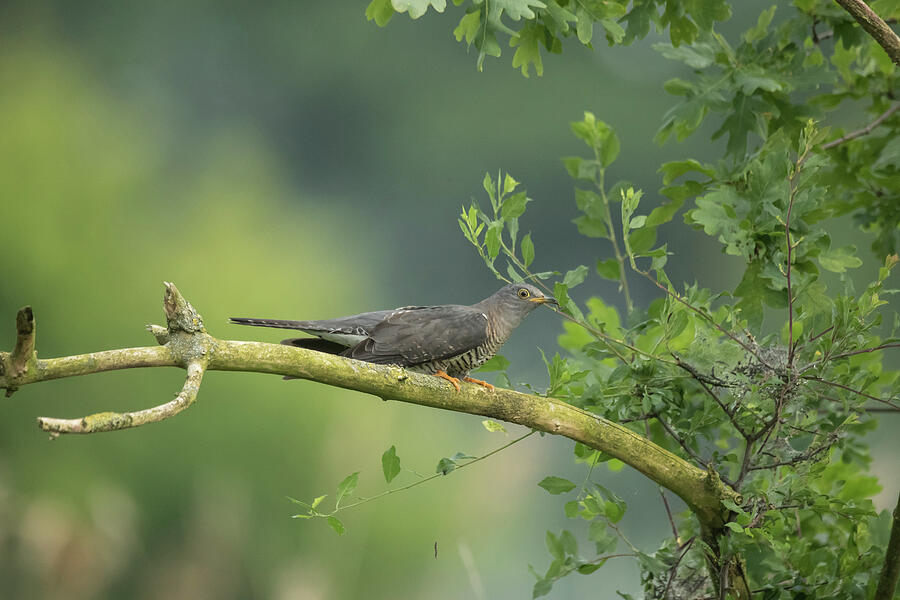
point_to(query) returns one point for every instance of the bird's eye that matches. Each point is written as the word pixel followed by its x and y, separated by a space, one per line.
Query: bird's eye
pixel 523 293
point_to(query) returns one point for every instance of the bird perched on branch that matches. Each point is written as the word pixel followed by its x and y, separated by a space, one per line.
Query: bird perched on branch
pixel 447 341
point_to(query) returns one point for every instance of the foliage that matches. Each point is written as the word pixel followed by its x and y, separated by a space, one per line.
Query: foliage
pixel 771 385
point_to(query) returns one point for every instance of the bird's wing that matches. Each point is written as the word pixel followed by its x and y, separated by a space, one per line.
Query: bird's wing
pixel 347 331
pixel 416 335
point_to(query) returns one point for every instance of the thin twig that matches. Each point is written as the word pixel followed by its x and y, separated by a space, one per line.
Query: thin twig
pixel 662 492
pixel 430 477
pixel 865 350
pixel 790 249
pixel 680 441
pixel 706 317
pixel 612 232
pixel 865 130
pixel 674 571
pixel 850 389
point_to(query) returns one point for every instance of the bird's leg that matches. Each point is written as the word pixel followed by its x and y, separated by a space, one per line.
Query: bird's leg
pixel 480 382
pixel 453 380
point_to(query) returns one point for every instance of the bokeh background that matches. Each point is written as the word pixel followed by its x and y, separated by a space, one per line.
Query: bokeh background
pixel 289 159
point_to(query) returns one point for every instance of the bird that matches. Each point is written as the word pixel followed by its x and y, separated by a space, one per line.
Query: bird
pixel 447 341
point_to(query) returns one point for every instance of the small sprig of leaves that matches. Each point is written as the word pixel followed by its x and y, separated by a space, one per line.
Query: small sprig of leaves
pixel 391 468
pixel 603 510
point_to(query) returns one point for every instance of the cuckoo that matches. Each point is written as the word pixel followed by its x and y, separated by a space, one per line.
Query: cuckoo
pixel 447 341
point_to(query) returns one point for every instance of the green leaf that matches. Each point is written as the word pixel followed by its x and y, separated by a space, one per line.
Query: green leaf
pixel 528 51
pixel 336 524
pixel 588 568
pixel 609 269
pixel 305 505
pixel 675 169
pixel 752 77
pixel 556 485
pixel 380 11
pixel 734 527
pixel 527 247
pixel 516 9
pixel 346 487
pixel 318 500
pixel 542 587
pixel 468 27
pixel 514 206
pixel 575 276
pixel 446 465
pixel 614 32
pixel 492 238
pixel 698 56
pixel 493 426
pixel 762 25
pixel 839 260
pixel 390 464
pixel 609 151
pixel 417 8
pixel 663 214
pixel 740 123
pixel 614 511
pixel 509 184
pixel 642 240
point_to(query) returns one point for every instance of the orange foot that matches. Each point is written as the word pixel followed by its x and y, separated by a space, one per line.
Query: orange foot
pixel 453 380
pixel 483 384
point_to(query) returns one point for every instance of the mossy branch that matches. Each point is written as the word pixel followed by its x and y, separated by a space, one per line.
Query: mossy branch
pixel 875 26
pixel 890 571
pixel 185 344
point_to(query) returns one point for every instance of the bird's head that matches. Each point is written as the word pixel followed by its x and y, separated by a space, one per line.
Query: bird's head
pixel 522 298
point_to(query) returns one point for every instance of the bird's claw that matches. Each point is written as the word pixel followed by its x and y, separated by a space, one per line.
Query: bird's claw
pixel 480 382
pixel 453 380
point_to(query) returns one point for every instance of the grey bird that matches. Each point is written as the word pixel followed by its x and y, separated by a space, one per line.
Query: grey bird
pixel 447 341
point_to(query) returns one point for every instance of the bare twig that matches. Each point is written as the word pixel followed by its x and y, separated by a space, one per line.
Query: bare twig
pixel 865 130
pixel 874 26
pixel 790 249
pixel 680 441
pixel 111 421
pixel 662 492
pixel 429 478
pixel 806 456
pixel 706 317
pixel 620 258
pixel 674 571
pixel 850 389
pixel 702 380
pixel 865 350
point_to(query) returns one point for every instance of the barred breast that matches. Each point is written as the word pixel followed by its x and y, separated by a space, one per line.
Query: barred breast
pixel 460 365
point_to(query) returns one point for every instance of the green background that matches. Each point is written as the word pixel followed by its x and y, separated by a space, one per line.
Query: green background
pixel 291 160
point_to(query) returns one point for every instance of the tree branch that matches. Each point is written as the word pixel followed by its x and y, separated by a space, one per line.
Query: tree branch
pixel 186 344
pixel 23 352
pixel 890 572
pixel 874 26
pixel 864 130
pixel 111 421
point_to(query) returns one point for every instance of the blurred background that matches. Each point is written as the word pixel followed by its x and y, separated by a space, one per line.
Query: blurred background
pixel 291 160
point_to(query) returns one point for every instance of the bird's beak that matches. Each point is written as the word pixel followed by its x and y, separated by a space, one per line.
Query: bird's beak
pixel 544 300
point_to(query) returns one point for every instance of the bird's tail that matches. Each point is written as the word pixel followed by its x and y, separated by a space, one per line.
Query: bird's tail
pixel 279 323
